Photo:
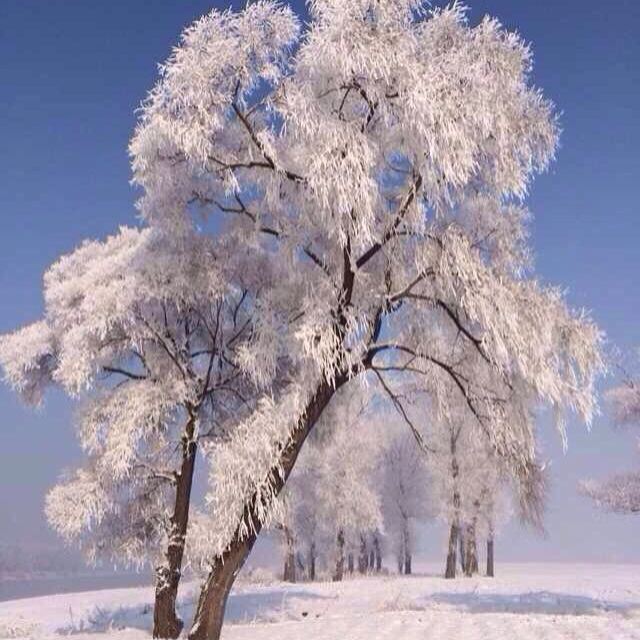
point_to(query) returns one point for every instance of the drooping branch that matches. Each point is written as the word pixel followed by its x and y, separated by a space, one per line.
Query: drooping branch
pixel 399 407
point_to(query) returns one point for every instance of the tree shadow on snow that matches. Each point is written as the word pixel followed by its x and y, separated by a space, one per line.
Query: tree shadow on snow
pixel 540 602
pixel 270 605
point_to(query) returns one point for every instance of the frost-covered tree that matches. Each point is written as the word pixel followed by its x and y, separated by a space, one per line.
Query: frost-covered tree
pixel 332 493
pixel 470 489
pixel 144 330
pixel 404 485
pixel 620 493
pixel 381 158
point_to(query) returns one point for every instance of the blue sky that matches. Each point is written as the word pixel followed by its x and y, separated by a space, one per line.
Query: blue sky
pixel 71 75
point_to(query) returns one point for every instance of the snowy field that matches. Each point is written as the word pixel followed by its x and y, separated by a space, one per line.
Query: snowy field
pixel 527 602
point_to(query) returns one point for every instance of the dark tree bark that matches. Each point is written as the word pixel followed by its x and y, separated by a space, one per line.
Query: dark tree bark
pixel 312 562
pixel 490 569
pixel 377 553
pixel 455 531
pixel 166 623
pixel 350 563
pixel 462 548
pixel 400 562
pixel 339 572
pixel 363 558
pixel 372 560
pixel 209 614
pixel 407 549
pixel 407 564
pixel 450 570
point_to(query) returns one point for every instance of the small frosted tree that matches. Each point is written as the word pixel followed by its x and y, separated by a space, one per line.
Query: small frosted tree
pixel 620 493
pixel 404 485
pixel 469 481
pixel 144 331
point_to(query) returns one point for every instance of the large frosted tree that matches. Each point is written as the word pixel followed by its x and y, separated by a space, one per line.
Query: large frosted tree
pixel 381 157
pixel 145 331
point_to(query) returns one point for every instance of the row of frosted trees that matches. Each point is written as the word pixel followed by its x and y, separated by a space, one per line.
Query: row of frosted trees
pixel 361 182
pixel 363 483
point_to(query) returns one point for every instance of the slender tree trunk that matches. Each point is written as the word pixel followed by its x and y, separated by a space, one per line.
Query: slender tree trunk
pixel 471 553
pixel 290 557
pixel 209 614
pixel 407 564
pixel 450 570
pixel 377 553
pixel 350 563
pixel 406 543
pixel 363 558
pixel 312 562
pixel 339 572
pixel 166 623
pixel 462 548
pixel 372 560
pixel 490 569
pixel 400 562
pixel 301 569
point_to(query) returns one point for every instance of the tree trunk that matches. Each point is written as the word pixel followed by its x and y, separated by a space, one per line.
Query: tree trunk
pixel 450 570
pixel 377 553
pixel 166 623
pixel 490 571
pixel 462 548
pixel 350 563
pixel 209 614
pixel 290 557
pixel 363 558
pixel 312 562
pixel 339 572
pixel 406 544
pixel 471 552
pixel 407 564
pixel 372 560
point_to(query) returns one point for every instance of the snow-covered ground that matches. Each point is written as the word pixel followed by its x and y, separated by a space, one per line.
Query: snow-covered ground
pixel 526 602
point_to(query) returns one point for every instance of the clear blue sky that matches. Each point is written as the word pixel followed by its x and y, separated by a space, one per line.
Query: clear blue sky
pixel 73 71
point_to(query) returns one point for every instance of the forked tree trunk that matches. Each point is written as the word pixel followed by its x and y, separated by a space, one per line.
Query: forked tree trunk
pixel 338 574
pixel 312 562
pixel 450 569
pixel 209 614
pixel 166 623
pixel 490 569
